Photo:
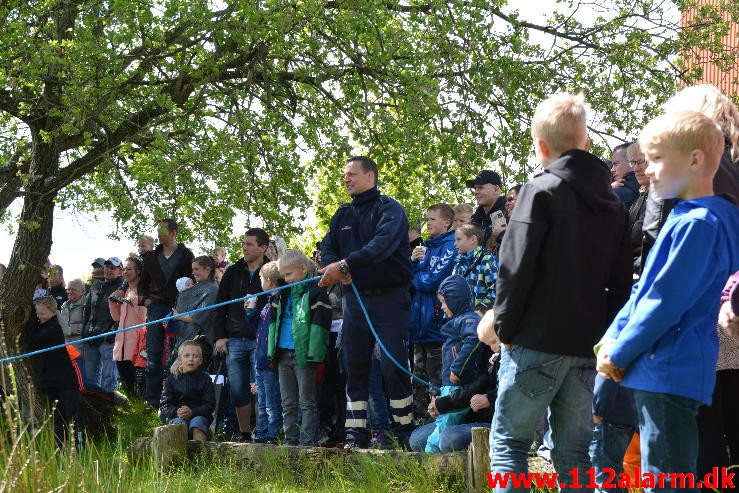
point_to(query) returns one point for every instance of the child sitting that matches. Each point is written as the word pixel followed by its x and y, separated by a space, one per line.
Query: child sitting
pixel 188 395
pixel 478 266
pixel 663 343
pixel 462 353
pixel 269 418
pixel 297 342
pixel 53 372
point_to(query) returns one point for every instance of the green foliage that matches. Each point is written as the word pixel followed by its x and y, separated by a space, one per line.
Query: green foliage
pixel 226 113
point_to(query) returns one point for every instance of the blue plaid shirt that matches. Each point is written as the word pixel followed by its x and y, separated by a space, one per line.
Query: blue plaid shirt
pixel 480 268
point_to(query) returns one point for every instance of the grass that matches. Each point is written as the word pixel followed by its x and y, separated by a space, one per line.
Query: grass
pixel 31 462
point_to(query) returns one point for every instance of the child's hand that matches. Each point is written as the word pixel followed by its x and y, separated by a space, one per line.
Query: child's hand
pixel 453 378
pixel 184 412
pixel 597 419
pixel 479 401
pixel 607 369
pixel 433 412
pixel 728 320
pixel 486 331
pixel 253 386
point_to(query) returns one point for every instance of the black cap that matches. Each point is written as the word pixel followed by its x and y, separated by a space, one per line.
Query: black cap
pixel 98 262
pixel 483 177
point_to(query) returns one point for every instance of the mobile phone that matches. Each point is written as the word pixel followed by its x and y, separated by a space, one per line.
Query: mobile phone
pixel 498 220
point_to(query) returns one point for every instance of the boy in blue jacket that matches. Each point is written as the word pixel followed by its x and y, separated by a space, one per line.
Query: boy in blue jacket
pixel 663 342
pixel 462 352
pixel 431 263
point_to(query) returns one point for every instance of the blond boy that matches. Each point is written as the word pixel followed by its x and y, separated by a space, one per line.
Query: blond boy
pixel 663 342
pixel 566 266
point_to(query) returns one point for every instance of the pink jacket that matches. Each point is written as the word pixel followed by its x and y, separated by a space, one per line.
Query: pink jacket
pixel 127 316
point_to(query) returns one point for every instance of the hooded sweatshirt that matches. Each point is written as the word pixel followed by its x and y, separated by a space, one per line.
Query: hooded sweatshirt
pixel 565 260
pixel 462 352
pixel 665 336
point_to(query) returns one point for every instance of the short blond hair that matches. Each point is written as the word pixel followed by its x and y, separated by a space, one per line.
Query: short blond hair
pixel 295 257
pixel 710 101
pixel 47 302
pixel 685 131
pixel 559 121
pixel 463 209
pixel 633 150
pixel 270 271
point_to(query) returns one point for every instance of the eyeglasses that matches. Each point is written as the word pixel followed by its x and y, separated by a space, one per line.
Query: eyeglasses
pixel 640 162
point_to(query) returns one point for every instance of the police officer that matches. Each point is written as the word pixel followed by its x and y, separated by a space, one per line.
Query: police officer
pixel 367 244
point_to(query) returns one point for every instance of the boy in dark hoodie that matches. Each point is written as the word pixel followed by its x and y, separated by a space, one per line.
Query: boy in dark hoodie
pixel 461 352
pixel 566 269
pixel 53 372
pixel 663 343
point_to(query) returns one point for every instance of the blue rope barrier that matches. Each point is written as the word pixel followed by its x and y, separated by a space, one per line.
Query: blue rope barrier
pixel 106 334
pixel 382 346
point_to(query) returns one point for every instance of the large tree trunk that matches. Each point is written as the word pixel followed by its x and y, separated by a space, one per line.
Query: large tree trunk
pixel 30 251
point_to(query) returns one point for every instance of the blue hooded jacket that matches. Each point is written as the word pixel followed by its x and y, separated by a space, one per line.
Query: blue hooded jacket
pixel 462 351
pixel 426 317
pixel 666 333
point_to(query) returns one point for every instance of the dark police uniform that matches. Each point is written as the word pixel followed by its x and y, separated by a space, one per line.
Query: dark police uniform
pixel 371 235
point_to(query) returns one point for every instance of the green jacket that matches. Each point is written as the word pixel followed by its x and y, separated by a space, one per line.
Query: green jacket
pixel 311 323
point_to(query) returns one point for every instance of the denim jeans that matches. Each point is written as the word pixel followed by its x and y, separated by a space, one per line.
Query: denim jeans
pixel 269 422
pixel 529 382
pixel 240 363
pixel 154 352
pixel 99 365
pixel 607 450
pixel 379 413
pixel 453 439
pixel 298 386
pixel 668 434
pixel 199 422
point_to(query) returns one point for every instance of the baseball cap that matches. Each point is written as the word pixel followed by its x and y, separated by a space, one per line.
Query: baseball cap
pixel 483 177
pixel 98 262
pixel 114 261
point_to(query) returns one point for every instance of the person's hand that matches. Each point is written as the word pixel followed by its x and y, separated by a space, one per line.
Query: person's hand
pixel 618 183
pixel 454 378
pixel 433 412
pixel 479 402
pixel 147 302
pixel 332 275
pixel 184 412
pixel 222 345
pixel 496 232
pixel 597 419
pixel 253 387
pixel 486 331
pixel 605 366
pixel 418 253
pixel 119 293
pixel 728 320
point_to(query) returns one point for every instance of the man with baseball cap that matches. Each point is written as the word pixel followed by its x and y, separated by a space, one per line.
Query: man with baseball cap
pixel 100 368
pixel 97 270
pixel 489 195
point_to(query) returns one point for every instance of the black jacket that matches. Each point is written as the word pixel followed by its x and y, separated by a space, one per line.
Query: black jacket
pixel 229 320
pixel 485 383
pixel 194 390
pixel 98 319
pixel 725 181
pixel 371 234
pixel 154 285
pixel 565 262
pixel 482 219
pixel 52 370
pixel 628 193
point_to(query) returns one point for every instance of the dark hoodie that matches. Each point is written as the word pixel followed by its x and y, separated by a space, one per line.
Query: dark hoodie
pixel 462 352
pixel 565 260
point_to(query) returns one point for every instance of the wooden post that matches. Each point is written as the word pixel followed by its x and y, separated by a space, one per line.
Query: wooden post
pixel 169 444
pixel 478 461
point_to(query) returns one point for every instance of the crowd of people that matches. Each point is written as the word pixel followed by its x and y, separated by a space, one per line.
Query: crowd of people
pixel 505 312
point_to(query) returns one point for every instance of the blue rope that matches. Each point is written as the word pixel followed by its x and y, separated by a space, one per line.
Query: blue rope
pixel 106 334
pixel 382 346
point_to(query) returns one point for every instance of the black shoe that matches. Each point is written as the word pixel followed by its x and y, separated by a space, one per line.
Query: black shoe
pixel 266 440
pixel 355 445
pixel 245 437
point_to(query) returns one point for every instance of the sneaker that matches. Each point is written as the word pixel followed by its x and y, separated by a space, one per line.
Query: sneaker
pixel 120 399
pixel 267 440
pixel 355 445
pixel 245 437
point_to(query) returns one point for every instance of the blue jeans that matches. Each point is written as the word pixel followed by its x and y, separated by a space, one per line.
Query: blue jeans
pixel 240 362
pixel 199 422
pixel 668 434
pixel 529 382
pixel 452 439
pixel 100 367
pixel 607 450
pixel 154 352
pixel 379 413
pixel 270 405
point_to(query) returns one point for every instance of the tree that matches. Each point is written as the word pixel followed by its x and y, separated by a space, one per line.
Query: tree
pixel 203 110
